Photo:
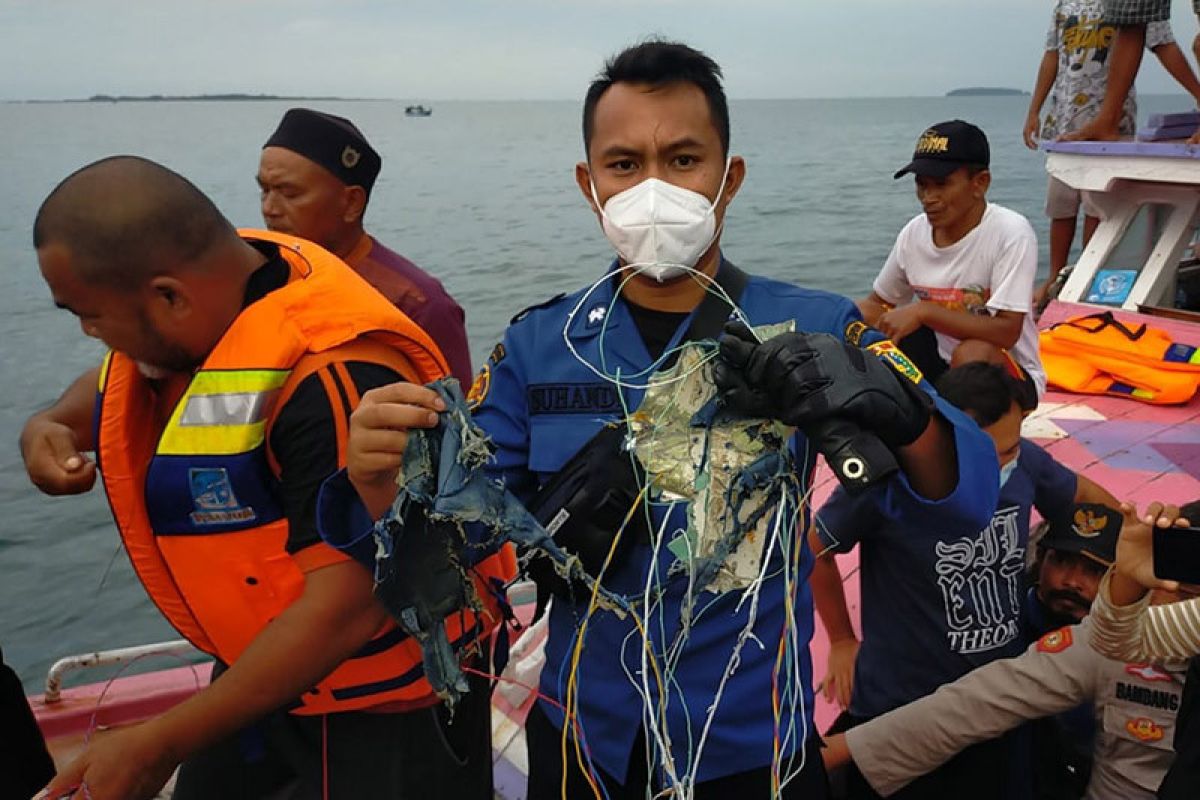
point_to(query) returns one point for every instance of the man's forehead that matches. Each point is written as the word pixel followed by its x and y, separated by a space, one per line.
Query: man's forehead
pixel 664 114
pixel 279 163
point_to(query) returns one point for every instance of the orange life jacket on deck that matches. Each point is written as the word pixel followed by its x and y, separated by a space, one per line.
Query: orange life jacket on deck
pixel 1099 354
pixel 197 500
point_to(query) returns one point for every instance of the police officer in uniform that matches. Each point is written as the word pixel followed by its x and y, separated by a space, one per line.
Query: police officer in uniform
pixel 1132 707
pixel 660 179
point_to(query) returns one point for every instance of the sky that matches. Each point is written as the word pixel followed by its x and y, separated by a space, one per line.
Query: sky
pixel 519 49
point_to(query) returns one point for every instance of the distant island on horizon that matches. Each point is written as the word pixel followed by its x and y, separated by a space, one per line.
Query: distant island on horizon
pixel 984 91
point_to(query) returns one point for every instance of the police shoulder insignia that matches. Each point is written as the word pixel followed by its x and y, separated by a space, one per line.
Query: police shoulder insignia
pixel 480 387
pixel 1144 729
pixel 1055 641
pixel 895 357
pixel 524 312
pixel 498 354
pixel 855 329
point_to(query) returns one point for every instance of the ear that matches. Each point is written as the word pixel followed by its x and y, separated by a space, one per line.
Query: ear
pixel 733 180
pixel 169 297
pixel 354 204
pixel 981 181
pixel 583 178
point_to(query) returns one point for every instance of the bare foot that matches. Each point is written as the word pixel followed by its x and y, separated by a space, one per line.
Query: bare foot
pixel 1094 131
pixel 1195 138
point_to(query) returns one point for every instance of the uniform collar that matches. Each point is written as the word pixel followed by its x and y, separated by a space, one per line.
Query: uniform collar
pixel 599 313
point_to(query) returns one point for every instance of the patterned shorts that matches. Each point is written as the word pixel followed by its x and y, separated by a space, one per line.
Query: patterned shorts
pixel 1140 12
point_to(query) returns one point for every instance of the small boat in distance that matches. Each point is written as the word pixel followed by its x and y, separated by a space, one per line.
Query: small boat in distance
pixel 418 111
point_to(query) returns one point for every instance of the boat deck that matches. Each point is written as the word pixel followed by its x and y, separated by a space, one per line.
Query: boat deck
pixel 1139 452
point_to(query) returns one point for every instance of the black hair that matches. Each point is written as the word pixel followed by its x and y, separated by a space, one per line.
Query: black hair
pixel 984 391
pixel 125 217
pixel 658 62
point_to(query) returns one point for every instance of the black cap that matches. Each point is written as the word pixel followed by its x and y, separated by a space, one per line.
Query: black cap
pixel 332 142
pixel 1089 528
pixel 947 146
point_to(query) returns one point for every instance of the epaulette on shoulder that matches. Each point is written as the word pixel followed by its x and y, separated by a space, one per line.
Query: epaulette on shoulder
pixel 524 312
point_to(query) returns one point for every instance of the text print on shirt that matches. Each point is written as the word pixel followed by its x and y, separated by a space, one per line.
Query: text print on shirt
pixel 980 581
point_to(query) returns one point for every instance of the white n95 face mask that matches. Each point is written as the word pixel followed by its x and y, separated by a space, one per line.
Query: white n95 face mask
pixel 660 229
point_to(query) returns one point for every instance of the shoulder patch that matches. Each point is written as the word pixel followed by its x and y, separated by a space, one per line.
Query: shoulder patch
pixel 1055 641
pixel 854 332
pixel 895 358
pixel 480 387
pixel 524 312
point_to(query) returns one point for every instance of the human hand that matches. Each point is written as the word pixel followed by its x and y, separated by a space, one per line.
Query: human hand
pixel 836 753
pixel 379 434
pixel 129 763
pixel 900 322
pixel 1030 132
pixel 839 674
pixel 1135 548
pixel 1040 292
pixel 52 458
pixel 806 379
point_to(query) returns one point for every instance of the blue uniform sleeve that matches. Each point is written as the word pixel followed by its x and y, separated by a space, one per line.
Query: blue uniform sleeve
pixel 846 519
pixel 1054 486
pixel 500 408
pixel 971 505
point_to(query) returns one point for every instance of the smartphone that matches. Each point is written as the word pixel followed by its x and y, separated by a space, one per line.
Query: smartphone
pixel 1177 554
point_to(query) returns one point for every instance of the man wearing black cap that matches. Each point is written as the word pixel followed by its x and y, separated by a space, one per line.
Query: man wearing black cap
pixel 967 265
pixel 316 174
pixel 937 605
pixel 1132 707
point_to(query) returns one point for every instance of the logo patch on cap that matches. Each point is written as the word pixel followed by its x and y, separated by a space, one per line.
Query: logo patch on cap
pixel 932 142
pixel 1055 641
pixel 1088 524
pixel 350 157
pixel 894 357
pixel 1144 729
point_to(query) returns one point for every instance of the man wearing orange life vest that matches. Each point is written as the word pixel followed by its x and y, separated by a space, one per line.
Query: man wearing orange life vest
pixel 235 361
pixel 316 174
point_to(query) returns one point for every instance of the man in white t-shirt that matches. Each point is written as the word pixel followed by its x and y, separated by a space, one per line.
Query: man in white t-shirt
pixel 966 265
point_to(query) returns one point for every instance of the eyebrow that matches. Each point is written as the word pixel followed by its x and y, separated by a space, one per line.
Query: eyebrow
pixel 617 150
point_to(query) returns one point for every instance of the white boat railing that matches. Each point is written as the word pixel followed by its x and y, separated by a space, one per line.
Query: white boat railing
pixel 1121 187
pixel 104 658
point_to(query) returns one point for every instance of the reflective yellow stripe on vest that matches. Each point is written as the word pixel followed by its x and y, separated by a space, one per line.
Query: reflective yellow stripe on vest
pixel 223 412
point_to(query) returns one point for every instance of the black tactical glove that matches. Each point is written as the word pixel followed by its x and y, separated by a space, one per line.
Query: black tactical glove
pixel 807 379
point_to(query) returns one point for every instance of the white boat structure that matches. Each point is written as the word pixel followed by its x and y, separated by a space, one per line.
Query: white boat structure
pixel 1140 264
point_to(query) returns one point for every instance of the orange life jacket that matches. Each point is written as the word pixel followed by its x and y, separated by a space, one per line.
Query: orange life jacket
pixel 197 500
pixel 1099 354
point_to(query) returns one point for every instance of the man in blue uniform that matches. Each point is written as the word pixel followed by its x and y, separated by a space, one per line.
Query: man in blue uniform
pixel 649 708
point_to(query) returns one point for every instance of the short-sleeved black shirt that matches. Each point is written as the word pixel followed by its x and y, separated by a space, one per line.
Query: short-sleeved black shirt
pixel 304 436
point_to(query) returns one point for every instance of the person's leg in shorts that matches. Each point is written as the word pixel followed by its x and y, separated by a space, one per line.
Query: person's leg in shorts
pixel 921 347
pixel 1125 58
pixel 1062 208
